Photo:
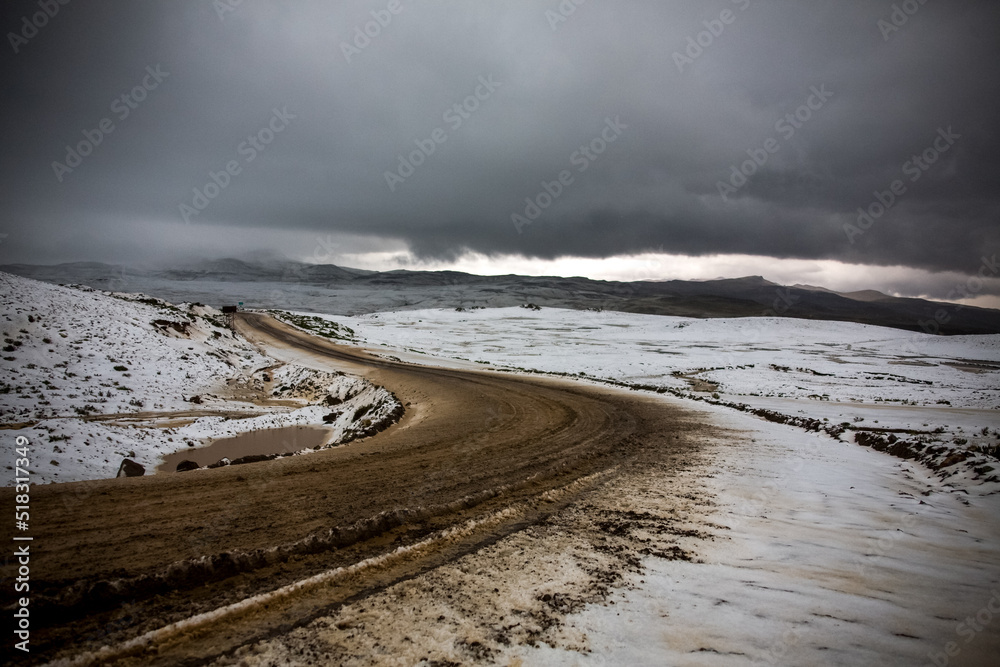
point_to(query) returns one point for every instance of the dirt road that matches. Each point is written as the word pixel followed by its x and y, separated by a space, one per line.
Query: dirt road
pixel 476 456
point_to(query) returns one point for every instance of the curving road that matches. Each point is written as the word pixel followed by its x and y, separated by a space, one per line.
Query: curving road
pixel 118 558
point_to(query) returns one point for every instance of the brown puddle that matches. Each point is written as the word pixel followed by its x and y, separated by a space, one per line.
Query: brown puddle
pixel 284 440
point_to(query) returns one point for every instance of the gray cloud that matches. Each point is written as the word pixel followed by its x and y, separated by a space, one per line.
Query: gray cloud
pixel 654 188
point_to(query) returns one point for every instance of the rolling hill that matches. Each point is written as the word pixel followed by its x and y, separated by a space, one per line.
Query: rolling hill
pixel 273 282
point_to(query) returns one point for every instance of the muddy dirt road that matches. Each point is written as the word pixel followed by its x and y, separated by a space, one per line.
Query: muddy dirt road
pixel 476 456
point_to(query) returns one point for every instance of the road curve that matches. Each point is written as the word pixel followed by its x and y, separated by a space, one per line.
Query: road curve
pixel 119 558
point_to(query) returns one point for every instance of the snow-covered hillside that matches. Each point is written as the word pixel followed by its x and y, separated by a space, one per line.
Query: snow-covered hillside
pixel 75 351
pixel 93 377
pixel 937 394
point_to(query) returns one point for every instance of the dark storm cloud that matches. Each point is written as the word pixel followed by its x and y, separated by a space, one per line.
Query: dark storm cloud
pixel 535 91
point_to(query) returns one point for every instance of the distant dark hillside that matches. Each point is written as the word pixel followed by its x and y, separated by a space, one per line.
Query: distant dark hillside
pixel 274 282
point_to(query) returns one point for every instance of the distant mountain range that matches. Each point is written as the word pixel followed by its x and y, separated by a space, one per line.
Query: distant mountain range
pixel 273 282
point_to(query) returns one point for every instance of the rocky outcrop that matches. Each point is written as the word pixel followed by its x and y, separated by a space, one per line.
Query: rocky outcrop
pixel 130 468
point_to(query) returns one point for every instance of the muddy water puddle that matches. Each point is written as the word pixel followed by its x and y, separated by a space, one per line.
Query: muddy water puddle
pixel 284 440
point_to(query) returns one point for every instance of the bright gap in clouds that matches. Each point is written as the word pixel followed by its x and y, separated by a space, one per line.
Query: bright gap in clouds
pixel 166 244
pixel 831 274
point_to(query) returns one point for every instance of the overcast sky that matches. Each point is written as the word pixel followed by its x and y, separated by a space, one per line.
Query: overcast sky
pixel 615 139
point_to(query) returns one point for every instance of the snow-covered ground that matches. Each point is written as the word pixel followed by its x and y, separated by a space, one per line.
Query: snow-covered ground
pixel 840 361
pixel 93 377
pixel 777 547
pixel 821 553
pixel 934 391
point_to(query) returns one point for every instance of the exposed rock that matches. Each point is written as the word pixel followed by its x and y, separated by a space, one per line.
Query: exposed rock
pixel 130 468
pixel 187 465
pixel 253 458
pixel 179 327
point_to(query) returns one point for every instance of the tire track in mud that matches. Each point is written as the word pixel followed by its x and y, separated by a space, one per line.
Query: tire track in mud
pixel 471 445
pixel 499 603
pixel 277 611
